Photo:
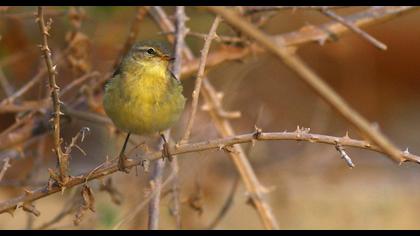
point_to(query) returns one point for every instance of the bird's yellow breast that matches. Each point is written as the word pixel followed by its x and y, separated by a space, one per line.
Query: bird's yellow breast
pixel 144 98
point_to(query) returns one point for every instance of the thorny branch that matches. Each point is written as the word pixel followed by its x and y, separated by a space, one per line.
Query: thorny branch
pixel 216 144
pixel 63 161
pixel 199 79
pixel 314 81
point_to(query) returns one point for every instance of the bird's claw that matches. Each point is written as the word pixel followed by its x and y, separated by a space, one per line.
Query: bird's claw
pixel 121 164
pixel 165 149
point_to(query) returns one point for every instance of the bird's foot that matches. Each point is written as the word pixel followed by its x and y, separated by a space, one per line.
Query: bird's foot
pixel 165 149
pixel 121 164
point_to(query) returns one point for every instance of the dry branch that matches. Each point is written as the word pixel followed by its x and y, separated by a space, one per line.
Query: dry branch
pixel 6 165
pixel 226 206
pixel 354 28
pixel 216 144
pixel 62 159
pixel 181 31
pixel 307 34
pixel 313 80
pixel 199 79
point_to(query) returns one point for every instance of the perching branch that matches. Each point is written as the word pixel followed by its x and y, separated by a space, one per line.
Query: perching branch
pixel 216 144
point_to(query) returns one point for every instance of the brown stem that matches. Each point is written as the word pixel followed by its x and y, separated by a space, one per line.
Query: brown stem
pixel 62 159
pixel 199 79
pixel 354 28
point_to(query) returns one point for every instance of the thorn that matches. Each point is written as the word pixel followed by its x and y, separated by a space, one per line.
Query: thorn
pixel 322 40
pixel 63 188
pixel 205 107
pixel 11 212
pixel 406 152
pixel 220 95
pixel 346 136
pixel 28 192
pixel 257 133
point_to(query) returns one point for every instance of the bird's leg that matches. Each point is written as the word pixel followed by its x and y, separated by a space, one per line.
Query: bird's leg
pixel 165 148
pixel 122 157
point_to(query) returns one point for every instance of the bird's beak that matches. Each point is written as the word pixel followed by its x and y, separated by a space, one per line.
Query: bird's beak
pixel 168 58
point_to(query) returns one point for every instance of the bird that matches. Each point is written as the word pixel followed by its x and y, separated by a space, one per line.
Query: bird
pixel 143 96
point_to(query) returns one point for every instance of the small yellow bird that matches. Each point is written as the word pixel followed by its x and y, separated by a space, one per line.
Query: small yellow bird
pixel 143 96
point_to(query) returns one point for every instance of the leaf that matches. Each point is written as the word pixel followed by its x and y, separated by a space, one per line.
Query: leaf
pixel 88 202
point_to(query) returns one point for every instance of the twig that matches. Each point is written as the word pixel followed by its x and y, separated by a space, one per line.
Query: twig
pixel 142 204
pixel 27 15
pixel 156 187
pixel 307 34
pixel 61 158
pixel 6 166
pixel 134 31
pixel 24 106
pixel 81 134
pixel 225 129
pixel 77 82
pixel 216 144
pixel 87 116
pixel 199 79
pixel 217 38
pixel 181 31
pixel 354 28
pixel 175 192
pixel 253 9
pixel 227 205
pixel 69 207
pixel 4 83
pixel 314 81
pixel 40 75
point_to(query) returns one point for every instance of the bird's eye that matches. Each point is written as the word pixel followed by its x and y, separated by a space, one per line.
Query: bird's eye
pixel 151 51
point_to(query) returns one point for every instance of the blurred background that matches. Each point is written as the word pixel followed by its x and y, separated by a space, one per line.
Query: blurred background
pixel 310 186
